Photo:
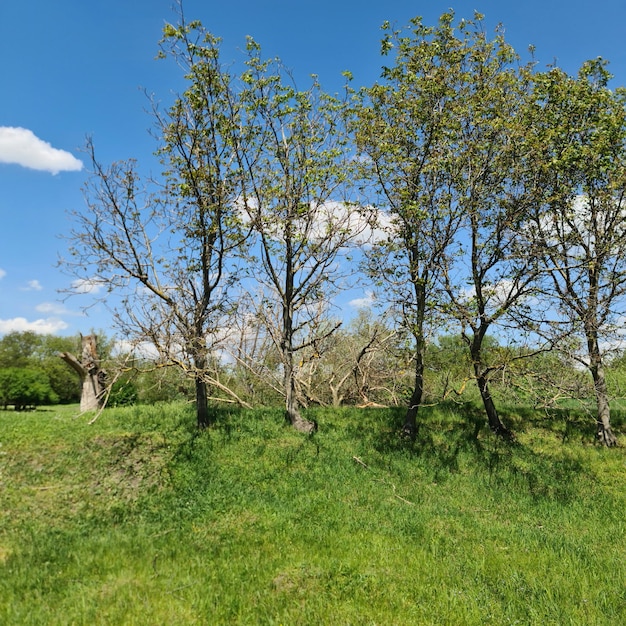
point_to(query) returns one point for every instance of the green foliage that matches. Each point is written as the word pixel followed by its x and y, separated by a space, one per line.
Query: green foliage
pixel 162 384
pixel 463 152
pixel 25 388
pixel 139 518
pixel 123 393
pixel 40 352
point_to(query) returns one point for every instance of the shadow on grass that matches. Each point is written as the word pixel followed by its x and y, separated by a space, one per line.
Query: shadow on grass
pixel 452 439
pixel 455 438
pixel 566 423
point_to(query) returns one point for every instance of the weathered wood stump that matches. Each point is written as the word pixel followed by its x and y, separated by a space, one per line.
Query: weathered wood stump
pixel 93 379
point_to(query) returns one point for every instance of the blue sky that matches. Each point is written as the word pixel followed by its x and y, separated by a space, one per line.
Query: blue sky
pixel 73 68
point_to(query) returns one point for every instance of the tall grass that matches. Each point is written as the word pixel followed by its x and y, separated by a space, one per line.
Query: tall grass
pixel 140 519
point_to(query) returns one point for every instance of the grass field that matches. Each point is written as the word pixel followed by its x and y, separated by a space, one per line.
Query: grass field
pixel 139 519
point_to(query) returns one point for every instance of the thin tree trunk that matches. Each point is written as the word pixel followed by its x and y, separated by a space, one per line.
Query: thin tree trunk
pixel 604 433
pixel 203 417
pixel 292 413
pixel 495 424
pixel 419 283
pixel 410 421
pixel 202 408
pixel 493 419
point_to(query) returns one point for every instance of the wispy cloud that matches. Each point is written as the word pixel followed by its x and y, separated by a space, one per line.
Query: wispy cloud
pixel 87 285
pixel 21 146
pixel 55 308
pixel 365 302
pixel 2 273
pixel 48 326
pixel 143 349
pixel 32 285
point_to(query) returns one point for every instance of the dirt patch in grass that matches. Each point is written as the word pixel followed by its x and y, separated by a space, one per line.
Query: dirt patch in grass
pixel 127 466
pixel 56 484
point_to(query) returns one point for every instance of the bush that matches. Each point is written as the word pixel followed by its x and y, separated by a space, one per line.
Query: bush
pixel 25 388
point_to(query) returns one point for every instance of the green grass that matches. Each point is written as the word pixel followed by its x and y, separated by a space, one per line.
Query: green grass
pixel 139 519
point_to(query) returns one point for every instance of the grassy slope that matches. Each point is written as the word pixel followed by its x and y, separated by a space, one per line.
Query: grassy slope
pixel 138 519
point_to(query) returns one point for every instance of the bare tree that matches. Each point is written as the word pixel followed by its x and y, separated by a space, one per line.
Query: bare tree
pixel 167 248
pixel 356 366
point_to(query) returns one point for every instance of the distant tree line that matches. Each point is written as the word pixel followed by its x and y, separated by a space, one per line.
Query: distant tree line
pixel 475 193
pixel 31 373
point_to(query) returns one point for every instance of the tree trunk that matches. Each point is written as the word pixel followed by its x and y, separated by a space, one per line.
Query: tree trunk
pixel 495 424
pixel 92 378
pixel 292 414
pixel 202 404
pixel 199 355
pixel 604 433
pixel 410 421
pixel 419 286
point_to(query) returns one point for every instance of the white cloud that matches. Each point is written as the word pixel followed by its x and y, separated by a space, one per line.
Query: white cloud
pixel 33 285
pixel 495 295
pixel 87 285
pixel 54 308
pixel 142 349
pixel 2 273
pixel 21 146
pixel 365 302
pixel 47 326
pixel 360 225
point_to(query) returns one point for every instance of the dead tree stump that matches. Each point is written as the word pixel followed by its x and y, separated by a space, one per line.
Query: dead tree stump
pixel 92 378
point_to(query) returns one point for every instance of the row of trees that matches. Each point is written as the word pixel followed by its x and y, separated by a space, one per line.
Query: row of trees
pixel 478 194
pixel 365 363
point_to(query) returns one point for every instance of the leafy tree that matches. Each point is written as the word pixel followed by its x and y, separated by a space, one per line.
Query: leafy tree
pixel 407 126
pixel 297 166
pixel 62 380
pixel 167 247
pixel 19 349
pixel 444 137
pixel 579 131
pixel 489 279
pixel 123 393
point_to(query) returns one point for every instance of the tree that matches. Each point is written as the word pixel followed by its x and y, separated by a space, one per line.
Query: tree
pixel 579 132
pixel 17 349
pixel 444 138
pixel 489 279
pixel 297 166
pixel 167 247
pixel 407 127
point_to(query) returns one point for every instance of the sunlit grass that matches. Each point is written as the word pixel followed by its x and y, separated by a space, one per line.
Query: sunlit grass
pixel 139 519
